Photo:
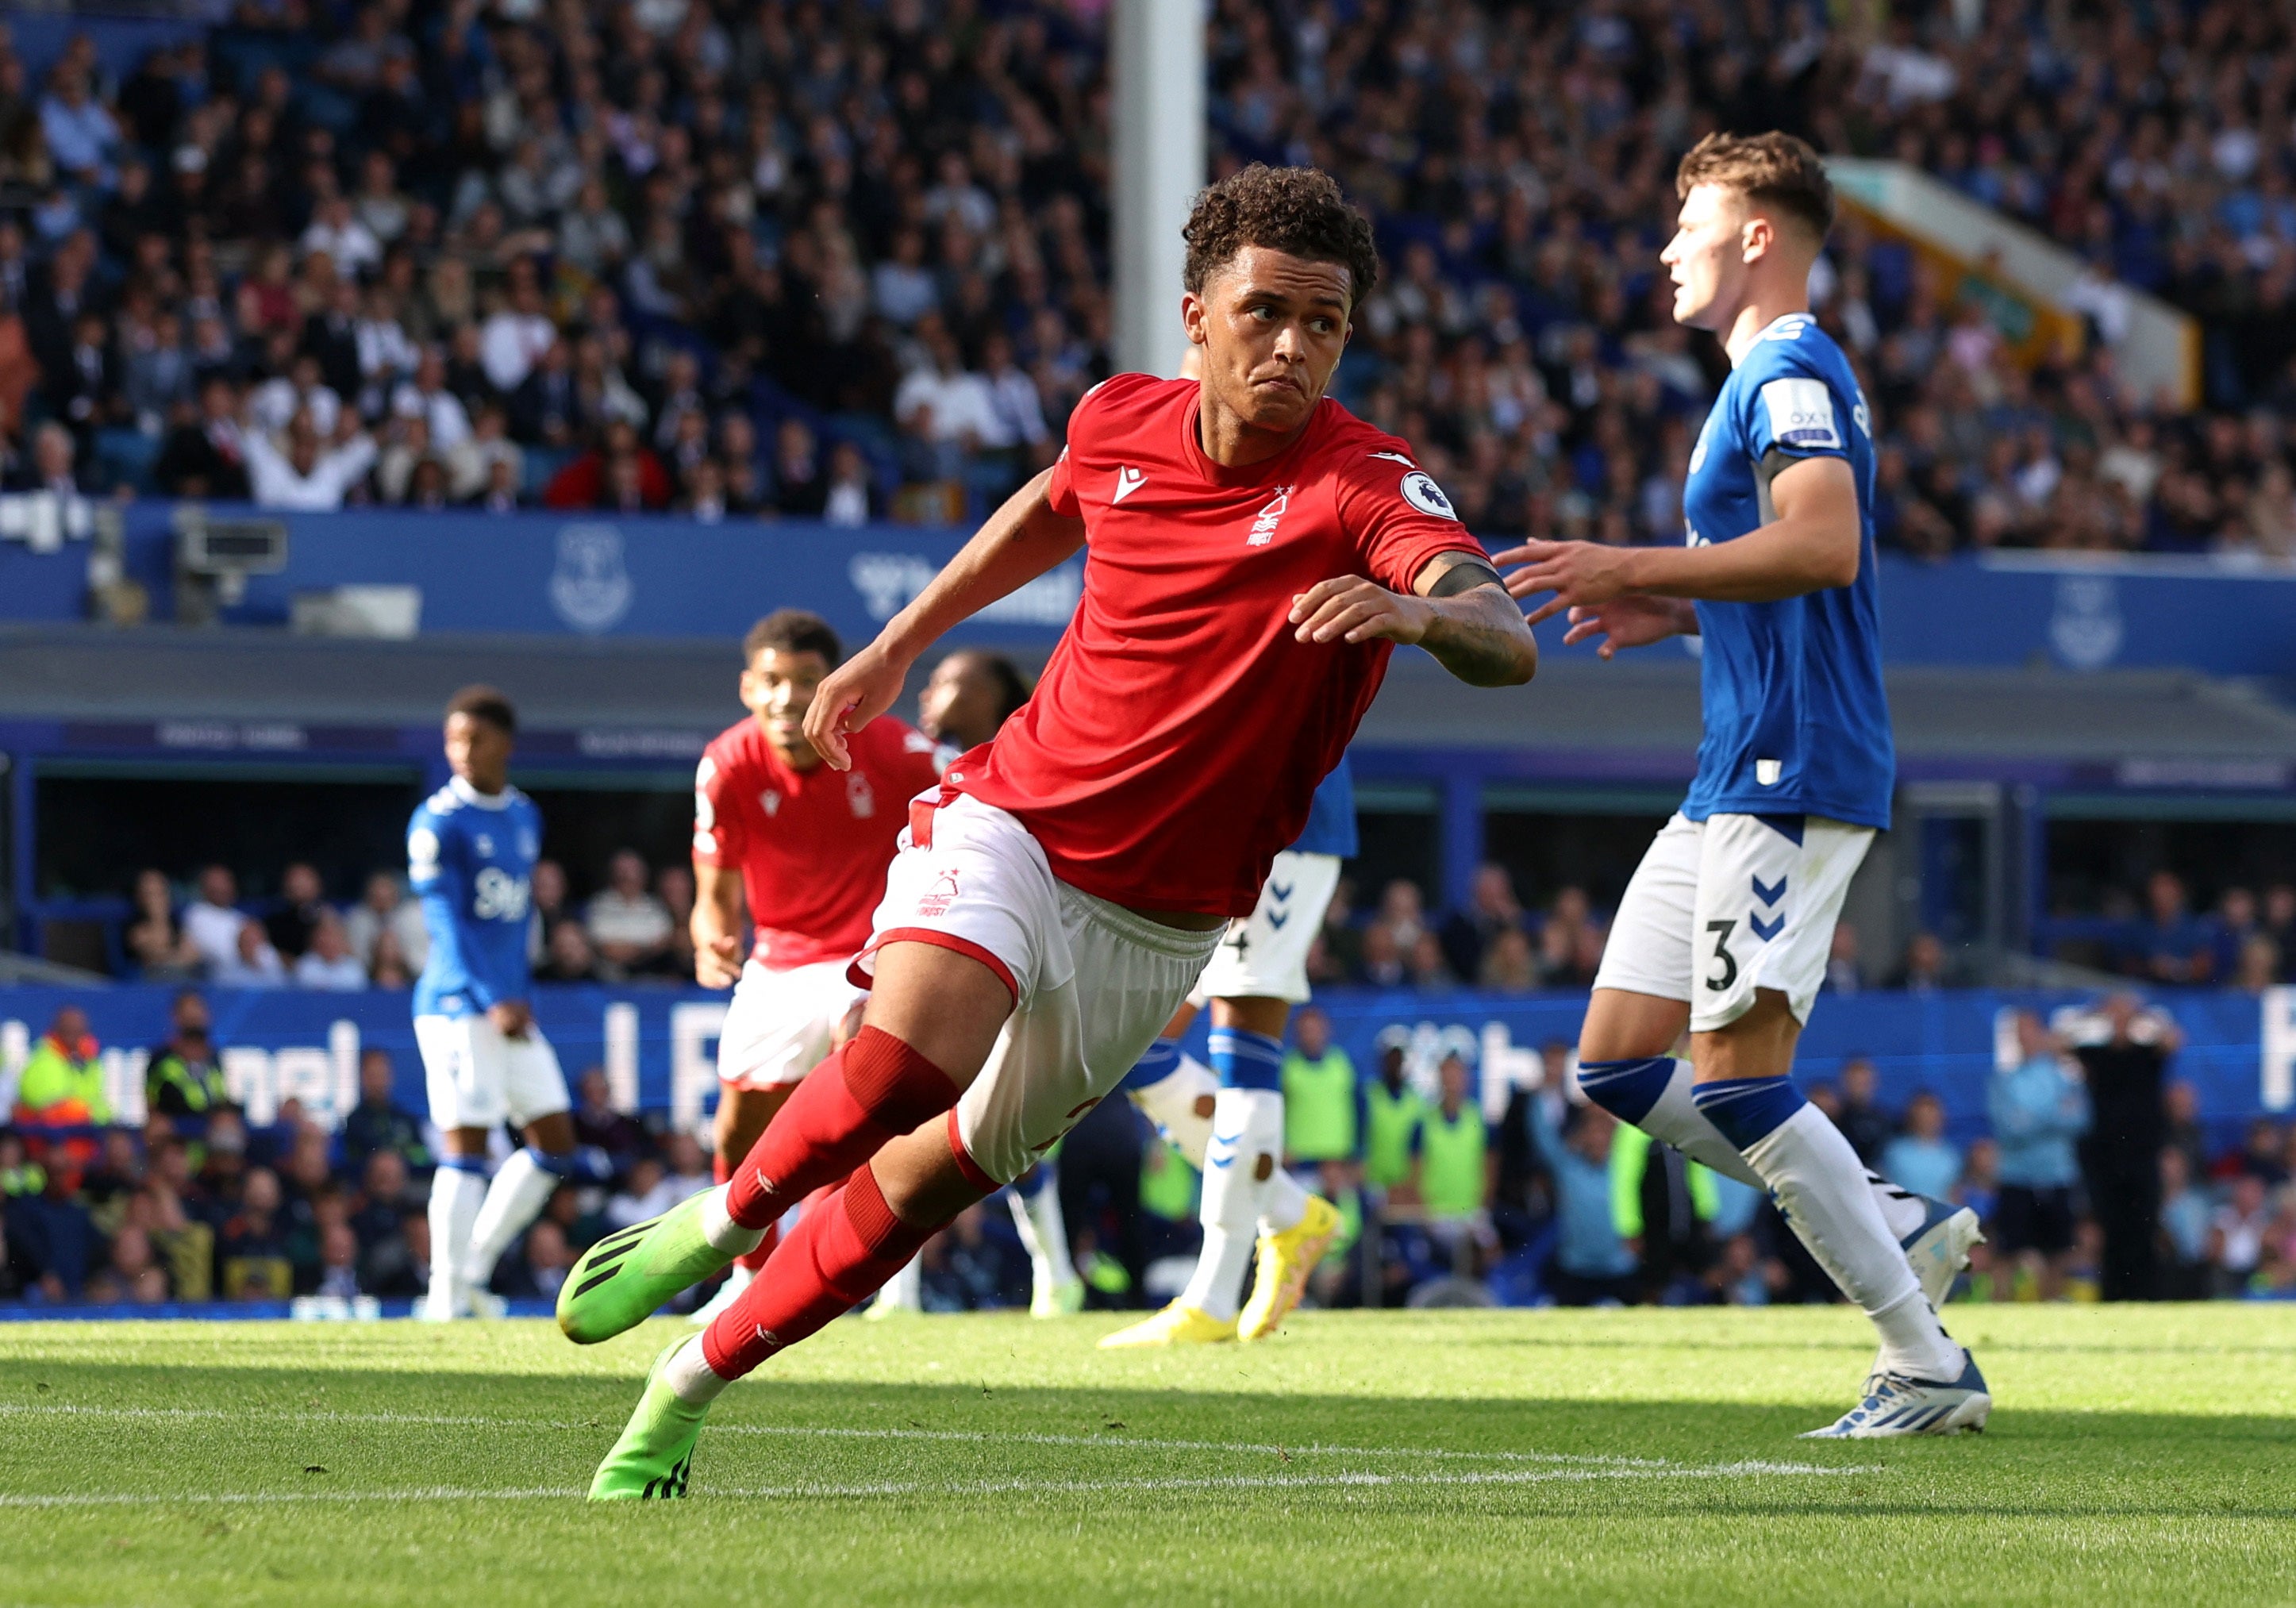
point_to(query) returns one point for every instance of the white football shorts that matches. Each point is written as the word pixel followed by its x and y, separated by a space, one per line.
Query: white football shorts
pixel 1722 906
pixel 780 1024
pixel 1264 955
pixel 1092 984
pixel 476 1077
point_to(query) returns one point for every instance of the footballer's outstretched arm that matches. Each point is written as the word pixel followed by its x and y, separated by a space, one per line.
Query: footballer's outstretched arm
pixel 1020 541
pixel 1813 544
pixel 1459 612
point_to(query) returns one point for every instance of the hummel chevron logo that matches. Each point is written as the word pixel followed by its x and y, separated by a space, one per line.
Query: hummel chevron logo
pixel 1276 918
pixel 1281 893
pixel 1767 930
pixel 1128 481
pixel 1769 896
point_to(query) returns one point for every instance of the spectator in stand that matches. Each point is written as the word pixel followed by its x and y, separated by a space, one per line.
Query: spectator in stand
pixel 1926 968
pixel 2279 925
pixel 329 963
pixel 1510 966
pixel 2186 1216
pixel 2124 1050
pixel 627 926
pixel 205 455
pixel 568 958
pixel 2236 1233
pixel 213 920
pixel 386 908
pixel 1861 1119
pixel 251 1249
pixel 673 888
pixel 301 902
pixel 1843 974
pixel 388 968
pixel 1491 909
pixel 1922 1159
pixel 1569 942
pixel 183 1076
pixel 800 484
pixel 2039 1111
pixel 310 476
pixel 2171 946
pixel 598 1126
pixel 254 963
pixel 848 496
pixel 162 950
pixel 378 1122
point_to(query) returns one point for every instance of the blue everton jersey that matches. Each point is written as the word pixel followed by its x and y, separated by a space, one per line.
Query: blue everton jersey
pixel 471 859
pixel 1796 721
pixel 1331 826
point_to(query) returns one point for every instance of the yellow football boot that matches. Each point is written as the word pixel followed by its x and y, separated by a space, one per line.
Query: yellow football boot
pixel 1174 1326
pixel 1285 1260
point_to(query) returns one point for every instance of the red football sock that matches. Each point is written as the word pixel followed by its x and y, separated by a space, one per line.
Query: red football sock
pixel 871 1089
pixel 833 1260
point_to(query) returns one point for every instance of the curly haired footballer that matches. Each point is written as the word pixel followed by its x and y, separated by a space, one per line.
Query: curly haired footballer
pixel 1297 211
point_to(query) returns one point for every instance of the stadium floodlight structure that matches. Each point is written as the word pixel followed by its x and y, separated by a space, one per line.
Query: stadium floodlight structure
pixel 1157 68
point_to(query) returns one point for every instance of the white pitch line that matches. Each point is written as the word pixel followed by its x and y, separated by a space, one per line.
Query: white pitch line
pixel 963 1487
pixel 1011 1437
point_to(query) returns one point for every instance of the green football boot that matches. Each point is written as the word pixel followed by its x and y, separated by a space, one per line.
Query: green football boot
pixel 655 1453
pixel 625 1277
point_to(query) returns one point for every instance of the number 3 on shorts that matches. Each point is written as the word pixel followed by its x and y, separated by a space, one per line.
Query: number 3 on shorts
pixel 1721 932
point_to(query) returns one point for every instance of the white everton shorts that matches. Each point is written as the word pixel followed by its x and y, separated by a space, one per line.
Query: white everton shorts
pixel 780 1024
pixel 478 1079
pixel 1264 955
pixel 1722 906
pixel 1092 984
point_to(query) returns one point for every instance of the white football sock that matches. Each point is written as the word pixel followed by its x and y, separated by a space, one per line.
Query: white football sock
pixel 1821 1190
pixel 1283 1203
pixel 1045 1231
pixel 517 1195
pixel 455 1197
pixel 722 1231
pixel 905 1292
pixel 689 1374
pixel 1247 1142
pixel 1676 1121
pixel 1171 1106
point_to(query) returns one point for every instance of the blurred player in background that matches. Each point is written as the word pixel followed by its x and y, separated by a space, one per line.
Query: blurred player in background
pixel 1227 1119
pixel 470 850
pixel 969 695
pixel 796 851
pixel 1726 928
pixel 1257 554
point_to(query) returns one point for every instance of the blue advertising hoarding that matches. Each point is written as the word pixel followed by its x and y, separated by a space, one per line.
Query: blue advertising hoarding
pixel 588 574
pixel 658 1046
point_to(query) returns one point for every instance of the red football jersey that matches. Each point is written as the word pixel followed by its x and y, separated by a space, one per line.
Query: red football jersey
pixel 1178 733
pixel 812 845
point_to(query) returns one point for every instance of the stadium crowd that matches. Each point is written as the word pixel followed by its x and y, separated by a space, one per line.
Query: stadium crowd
pixel 844 261
pixel 635 929
pixel 1549 1201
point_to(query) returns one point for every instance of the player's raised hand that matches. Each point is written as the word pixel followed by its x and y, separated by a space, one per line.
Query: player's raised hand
pixel 853 694
pixel 1579 574
pixel 1631 620
pixel 1349 608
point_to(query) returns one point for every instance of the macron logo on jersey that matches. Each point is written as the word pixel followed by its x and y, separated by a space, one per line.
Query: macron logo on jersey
pixel 1128 481
pixel 1802 415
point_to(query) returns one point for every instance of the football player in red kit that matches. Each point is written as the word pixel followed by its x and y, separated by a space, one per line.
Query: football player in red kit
pixel 804 849
pixel 1256 554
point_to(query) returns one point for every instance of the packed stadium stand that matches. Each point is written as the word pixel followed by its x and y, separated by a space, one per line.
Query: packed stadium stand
pixel 553 341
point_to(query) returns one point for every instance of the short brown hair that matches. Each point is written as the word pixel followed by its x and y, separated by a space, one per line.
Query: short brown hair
pixel 1297 211
pixel 480 701
pixel 793 631
pixel 1771 170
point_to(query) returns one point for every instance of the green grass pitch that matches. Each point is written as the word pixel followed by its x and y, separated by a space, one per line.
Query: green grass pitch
pixel 2136 1455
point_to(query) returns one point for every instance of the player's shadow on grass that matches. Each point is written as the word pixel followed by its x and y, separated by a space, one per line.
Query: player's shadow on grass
pixel 212 1428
